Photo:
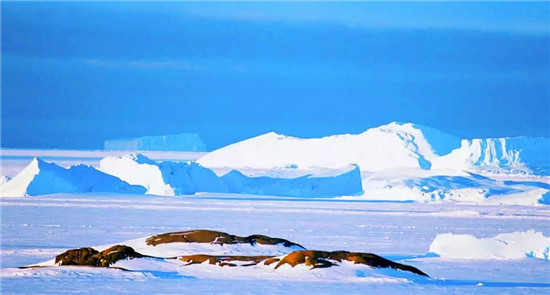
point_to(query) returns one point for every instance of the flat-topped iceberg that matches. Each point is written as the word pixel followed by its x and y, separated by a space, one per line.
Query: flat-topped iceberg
pixel 185 142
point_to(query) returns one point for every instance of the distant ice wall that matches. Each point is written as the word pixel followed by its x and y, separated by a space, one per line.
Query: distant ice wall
pixel 185 142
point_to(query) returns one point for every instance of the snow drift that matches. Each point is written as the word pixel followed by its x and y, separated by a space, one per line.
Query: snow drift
pixel 177 178
pixel 389 146
pixel 185 142
pixel 516 245
pixel 40 178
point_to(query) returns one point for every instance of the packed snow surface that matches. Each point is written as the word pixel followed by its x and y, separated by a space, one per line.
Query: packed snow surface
pixel 516 245
pixel 37 229
pixel 190 142
pixel 395 145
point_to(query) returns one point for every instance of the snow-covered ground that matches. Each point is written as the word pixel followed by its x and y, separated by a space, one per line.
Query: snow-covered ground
pixel 36 229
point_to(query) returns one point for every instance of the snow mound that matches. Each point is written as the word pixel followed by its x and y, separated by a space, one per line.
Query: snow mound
pixel 40 178
pixel 516 245
pixel 391 146
pixel 182 178
pixel 185 142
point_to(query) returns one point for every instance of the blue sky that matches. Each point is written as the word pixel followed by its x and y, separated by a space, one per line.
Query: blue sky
pixel 77 73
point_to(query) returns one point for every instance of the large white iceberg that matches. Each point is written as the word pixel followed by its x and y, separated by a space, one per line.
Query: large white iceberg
pixel 185 142
pixel 391 146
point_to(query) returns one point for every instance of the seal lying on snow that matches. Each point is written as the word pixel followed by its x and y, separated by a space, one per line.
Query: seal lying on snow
pixel 309 258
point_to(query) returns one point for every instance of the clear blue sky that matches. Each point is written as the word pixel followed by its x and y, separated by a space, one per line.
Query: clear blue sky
pixel 77 73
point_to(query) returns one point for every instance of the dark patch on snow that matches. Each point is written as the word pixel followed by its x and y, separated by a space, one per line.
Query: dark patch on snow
pixel 91 257
pixel 217 238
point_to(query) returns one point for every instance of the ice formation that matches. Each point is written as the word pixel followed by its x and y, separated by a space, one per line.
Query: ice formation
pixel 137 174
pixel 180 178
pixel 40 178
pixel 516 245
pixel 400 162
pixel 454 186
pixel 186 142
pixel 518 154
pixel 391 146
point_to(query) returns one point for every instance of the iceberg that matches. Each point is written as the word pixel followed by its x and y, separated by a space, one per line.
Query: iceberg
pixel 385 147
pixel 40 178
pixel 137 174
pixel 391 146
pixel 183 178
pixel 524 155
pixel 516 245
pixel 185 142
